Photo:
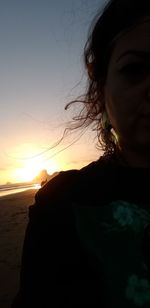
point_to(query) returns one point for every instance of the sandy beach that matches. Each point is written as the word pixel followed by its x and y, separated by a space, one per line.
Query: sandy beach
pixel 13 222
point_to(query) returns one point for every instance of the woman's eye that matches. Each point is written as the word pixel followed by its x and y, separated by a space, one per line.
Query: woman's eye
pixel 135 70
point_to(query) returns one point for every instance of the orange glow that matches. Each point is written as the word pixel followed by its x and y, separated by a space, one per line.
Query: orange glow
pixel 31 169
pixel 28 167
pixel 25 163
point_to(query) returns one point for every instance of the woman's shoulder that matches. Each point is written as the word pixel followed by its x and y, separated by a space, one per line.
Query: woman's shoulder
pixel 57 186
pixel 64 182
pixel 71 185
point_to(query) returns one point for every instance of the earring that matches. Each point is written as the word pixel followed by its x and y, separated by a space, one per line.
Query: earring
pixel 115 136
pixel 107 126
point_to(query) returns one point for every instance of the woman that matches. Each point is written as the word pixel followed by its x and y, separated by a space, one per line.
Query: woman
pixel 87 241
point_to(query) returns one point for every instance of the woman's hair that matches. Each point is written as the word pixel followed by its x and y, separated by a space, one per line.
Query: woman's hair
pixel 116 17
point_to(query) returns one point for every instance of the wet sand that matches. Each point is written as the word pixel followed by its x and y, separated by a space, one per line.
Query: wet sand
pixel 13 222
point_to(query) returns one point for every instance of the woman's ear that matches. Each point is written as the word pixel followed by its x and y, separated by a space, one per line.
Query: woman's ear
pixel 101 90
pixel 105 121
pixel 90 69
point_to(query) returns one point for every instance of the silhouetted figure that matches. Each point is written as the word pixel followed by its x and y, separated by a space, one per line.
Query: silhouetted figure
pixel 87 243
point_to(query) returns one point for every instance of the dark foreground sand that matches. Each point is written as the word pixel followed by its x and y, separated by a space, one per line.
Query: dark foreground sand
pixel 13 222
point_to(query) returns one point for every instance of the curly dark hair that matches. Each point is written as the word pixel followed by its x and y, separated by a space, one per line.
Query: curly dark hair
pixel 116 17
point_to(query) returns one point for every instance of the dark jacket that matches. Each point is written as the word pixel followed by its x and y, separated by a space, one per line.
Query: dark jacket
pixel 61 264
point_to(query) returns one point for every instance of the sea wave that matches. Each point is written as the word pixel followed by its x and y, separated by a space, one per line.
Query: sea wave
pixel 15 188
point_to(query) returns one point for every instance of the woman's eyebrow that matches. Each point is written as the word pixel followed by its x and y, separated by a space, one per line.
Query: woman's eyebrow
pixel 138 53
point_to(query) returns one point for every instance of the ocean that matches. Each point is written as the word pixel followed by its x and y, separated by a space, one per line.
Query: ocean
pixel 9 189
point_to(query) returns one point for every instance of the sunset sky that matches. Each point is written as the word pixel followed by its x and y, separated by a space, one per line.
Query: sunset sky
pixel 41 47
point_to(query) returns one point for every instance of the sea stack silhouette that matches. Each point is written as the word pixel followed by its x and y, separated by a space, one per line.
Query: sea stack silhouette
pixel 43 177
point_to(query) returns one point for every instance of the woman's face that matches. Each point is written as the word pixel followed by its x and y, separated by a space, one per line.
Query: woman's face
pixel 127 88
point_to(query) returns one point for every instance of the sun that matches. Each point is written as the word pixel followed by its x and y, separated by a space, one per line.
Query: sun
pixel 28 164
pixel 32 168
